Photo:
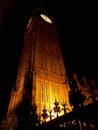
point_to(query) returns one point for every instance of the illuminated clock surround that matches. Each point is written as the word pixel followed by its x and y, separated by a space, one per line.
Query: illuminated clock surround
pixel 46 18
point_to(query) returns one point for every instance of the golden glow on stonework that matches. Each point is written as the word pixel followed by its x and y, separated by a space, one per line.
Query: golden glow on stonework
pixel 50 92
pixel 46 18
pixel 41 49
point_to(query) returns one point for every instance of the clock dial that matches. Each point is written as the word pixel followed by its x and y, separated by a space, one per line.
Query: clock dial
pixel 46 18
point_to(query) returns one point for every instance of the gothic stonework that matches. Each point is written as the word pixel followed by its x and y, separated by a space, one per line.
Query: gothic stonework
pixel 41 50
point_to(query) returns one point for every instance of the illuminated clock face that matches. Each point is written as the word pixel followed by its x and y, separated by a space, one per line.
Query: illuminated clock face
pixel 46 18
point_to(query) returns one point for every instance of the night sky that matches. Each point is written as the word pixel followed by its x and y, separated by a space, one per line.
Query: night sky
pixel 77 27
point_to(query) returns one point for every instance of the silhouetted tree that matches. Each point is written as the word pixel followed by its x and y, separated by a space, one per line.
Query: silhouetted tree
pixel 34 116
pixel 23 114
pixel 76 99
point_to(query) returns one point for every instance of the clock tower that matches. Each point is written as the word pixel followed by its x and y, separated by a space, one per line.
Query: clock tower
pixel 41 76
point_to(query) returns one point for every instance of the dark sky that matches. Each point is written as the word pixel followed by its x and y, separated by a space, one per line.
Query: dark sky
pixel 77 25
